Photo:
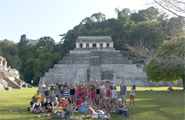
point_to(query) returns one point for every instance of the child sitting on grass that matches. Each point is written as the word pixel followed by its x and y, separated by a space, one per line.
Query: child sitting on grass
pixel 31 103
pixel 36 107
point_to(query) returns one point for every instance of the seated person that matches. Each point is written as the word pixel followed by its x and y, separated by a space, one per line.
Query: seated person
pixel 170 88
pixel 36 107
pixel 38 95
pixel 78 101
pixel 63 103
pixel 31 103
pixel 121 109
pixel 48 105
pixel 61 114
pixel 102 105
pixel 95 114
pixel 54 105
pixel 80 109
pixel 111 106
pixel 97 103
pixel 43 104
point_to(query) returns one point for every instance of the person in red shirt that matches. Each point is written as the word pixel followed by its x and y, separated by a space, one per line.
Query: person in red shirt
pixel 63 103
pixel 108 93
pixel 79 101
pixel 95 84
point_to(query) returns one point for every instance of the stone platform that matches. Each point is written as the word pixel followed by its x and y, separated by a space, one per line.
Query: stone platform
pixel 97 61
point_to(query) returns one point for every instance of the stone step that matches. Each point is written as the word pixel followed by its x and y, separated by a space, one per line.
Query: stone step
pixel 71 66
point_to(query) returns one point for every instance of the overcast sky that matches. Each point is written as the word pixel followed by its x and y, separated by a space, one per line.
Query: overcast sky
pixel 38 18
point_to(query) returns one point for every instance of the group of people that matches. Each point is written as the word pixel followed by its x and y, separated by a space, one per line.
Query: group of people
pixel 62 101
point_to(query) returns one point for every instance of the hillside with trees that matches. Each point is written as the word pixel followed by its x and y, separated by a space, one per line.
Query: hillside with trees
pixel 149 26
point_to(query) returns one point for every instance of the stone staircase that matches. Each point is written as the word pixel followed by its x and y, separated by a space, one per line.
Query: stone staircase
pixel 84 65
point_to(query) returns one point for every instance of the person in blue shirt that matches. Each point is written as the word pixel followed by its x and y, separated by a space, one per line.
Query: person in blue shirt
pixel 123 92
pixel 31 103
pixel 121 109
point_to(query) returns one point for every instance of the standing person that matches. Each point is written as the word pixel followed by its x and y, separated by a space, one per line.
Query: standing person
pixel 38 95
pixel 123 92
pixel 80 91
pixel 83 91
pixel 121 109
pixel 101 89
pixel 104 92
pixel 96 83
pixel 66 93
pixel 57 91
pixel 52 96
pixel 111 85
pixel 87 91
pixel 108 93
pixel 107 83
pixel 93 93
pixel 52 87
pixel 98 91
pixel 46 91
pixel 132 95
pixel 42 87
pixel 72 92
pixel 61 90
pixel 114 94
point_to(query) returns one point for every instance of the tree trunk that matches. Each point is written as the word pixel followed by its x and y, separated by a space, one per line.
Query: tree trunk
pixel 183 80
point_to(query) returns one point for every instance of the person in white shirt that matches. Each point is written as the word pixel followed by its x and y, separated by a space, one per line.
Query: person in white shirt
pixel 41 88
pixel 101 89
pixel 132 95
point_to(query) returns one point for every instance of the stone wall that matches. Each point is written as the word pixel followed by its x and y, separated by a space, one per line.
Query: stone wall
pixel 10 78
pixel 84 66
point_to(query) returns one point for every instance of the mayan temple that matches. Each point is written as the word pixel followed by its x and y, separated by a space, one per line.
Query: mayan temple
pixel 95 58
pixel 10 78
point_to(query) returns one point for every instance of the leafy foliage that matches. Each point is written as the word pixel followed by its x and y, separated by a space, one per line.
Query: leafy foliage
pixel 148 26
pixel 171 66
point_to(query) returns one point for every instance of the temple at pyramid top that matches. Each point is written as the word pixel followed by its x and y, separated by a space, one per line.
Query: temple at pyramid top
pixel 94 42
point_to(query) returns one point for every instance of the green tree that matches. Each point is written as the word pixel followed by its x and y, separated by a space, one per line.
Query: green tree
pixel 23 41
pixel 170 62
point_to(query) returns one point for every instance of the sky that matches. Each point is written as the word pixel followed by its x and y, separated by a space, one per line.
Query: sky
pixel 39 18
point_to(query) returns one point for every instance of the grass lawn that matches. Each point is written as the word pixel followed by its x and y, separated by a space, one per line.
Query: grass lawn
pixel 149 105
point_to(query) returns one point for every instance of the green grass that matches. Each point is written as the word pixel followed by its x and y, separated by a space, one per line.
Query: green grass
pixel 149 105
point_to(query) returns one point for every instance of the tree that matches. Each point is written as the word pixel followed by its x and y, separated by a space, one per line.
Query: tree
pixel 98 17
pixel 45 42
pixel 175 7
pixel 23 41
pixel 167 63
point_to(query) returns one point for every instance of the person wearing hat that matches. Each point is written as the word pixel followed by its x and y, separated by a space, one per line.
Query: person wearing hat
pixel 52 87
pixel 121 109
pixel 63 103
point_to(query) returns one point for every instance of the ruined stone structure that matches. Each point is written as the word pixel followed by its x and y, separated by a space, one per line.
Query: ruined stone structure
pixel 10 78
pixel 95 58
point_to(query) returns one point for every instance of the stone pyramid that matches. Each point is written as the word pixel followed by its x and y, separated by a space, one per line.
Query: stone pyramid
pixel 95 58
